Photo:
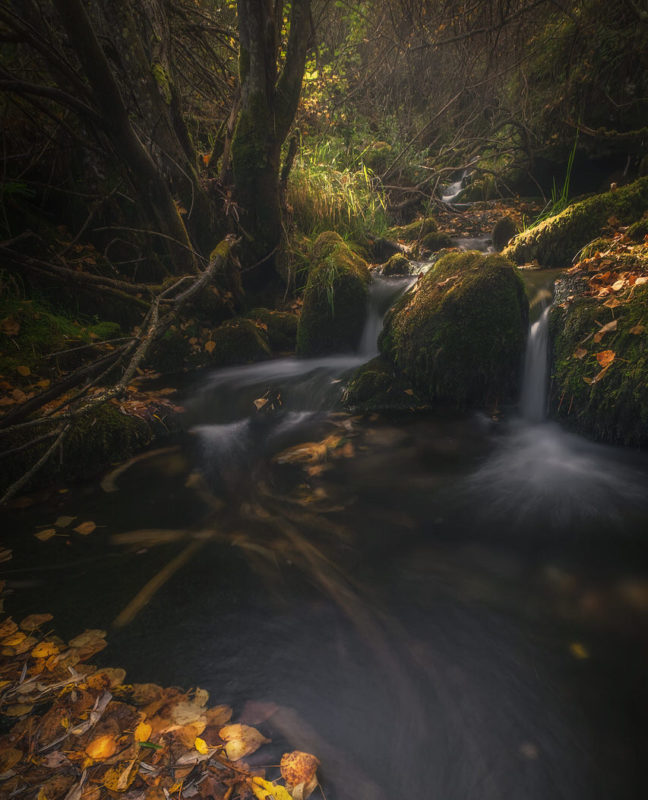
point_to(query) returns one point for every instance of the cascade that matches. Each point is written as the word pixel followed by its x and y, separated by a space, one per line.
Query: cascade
pixel 533 401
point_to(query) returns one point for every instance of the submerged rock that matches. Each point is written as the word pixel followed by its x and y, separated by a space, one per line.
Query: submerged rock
pixel 377 387
pixel 600 388
pixel 555 241
pixel 460 336
pixel 335 299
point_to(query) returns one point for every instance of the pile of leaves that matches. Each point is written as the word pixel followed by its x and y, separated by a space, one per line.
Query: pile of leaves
pixel 75 732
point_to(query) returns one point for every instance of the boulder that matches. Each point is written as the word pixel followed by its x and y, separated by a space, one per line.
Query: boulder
pixel 377 387
pixel 280 327
pixel 555 241
pixel 610 403
pixel 398 264
pixel 459 337
pixel 415 231
pixel 435 241
pixel 503 231
pixel 335 299
pixel 238 341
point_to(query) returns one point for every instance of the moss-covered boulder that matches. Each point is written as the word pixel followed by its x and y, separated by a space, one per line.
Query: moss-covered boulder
pixel 237 341
pixel 398 264
pixel 376 386
pixel 335 299
pixel 478 190
pixel 414 231
pixel 435 241
pixel 280 328
pixel 600 388
pixel 555 241
pixel 460 336
pixel 638 231
pixel 503 231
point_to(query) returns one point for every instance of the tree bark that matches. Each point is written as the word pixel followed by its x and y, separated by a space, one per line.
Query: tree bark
pixel 268 104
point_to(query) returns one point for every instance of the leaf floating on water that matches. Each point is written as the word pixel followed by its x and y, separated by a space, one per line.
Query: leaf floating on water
pixel 45 535
pixel 581 352
pixel 605 357
pixel 241 740
pixel 85 528
pixel 88 637
pixel 579 651
pixel 299 768
pixel 64 522
pixel 5 555
pixel 34 621
pixel 45 650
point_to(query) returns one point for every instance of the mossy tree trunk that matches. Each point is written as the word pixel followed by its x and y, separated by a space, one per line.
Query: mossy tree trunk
pixel 269 100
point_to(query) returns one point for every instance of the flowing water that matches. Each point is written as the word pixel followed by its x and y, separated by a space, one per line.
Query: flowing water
pixel 439 606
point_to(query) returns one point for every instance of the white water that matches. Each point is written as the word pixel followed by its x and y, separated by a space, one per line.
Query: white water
pixel 453 189
pixel 533 402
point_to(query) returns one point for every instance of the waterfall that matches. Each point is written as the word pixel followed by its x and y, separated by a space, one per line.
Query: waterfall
pixel 383 292
pixel 533 402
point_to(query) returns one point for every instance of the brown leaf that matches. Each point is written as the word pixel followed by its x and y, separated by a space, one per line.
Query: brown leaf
pixel 34 621
pixel 580 353
pixel 209 346
pixel 298 767
pixel 63 522
pixel 612 303
pixel 637 330
pixel 88 637
pixel 46 534
pixel 605 357
pixel 611 326
pixel 618 285
pixel 23 370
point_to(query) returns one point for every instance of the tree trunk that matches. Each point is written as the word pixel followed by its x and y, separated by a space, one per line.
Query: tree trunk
pixel 268 105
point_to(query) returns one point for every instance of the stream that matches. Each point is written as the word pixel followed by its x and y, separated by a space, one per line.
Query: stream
pixel 450 606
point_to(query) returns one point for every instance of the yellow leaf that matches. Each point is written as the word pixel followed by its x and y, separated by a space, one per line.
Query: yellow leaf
pixel 210 345
pixel 142 732
pixel 579 651
pixel 102 747
pixel 264 790
pixel 85 528
pixel 45 650
pixel 14 639
pixel 201 746
pixel 24 371
pixel 63 522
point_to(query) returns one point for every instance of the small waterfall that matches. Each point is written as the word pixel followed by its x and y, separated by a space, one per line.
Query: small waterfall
pixel 533 402
pixel 453 189
pixel 382 294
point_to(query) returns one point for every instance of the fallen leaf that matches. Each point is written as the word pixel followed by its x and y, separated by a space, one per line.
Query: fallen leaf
pixel 9 758
pixel 612 303
pixel 23 370
pixel 611 326
pixel 201 746
pixel 102 747
pixel 298 767
pixel 581 352
pixel 34 621
pixel 618 285
pixel 46 534
pixel 209 346
pixel 63 522
pixel 241 740
pixel 264 790
pixel 18 710
pixel 120 777
pixel 107 678
pixel 637 330
pixel 641 281
pixel 45 650
pixel 605 357
pixel 85 528
pixel 10 326
pixel 579 651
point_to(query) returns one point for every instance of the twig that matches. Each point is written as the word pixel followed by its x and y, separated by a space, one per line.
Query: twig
pixel 24 480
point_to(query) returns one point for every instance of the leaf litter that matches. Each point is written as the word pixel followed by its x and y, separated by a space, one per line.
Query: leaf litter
pixel 78 732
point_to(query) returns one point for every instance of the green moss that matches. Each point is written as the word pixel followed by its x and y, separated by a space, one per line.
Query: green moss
pixel 398 264
pixel 335 299
pixel 162 80
pixel 638 231
pixel 433 242
pixel 478 190
pixel 377 387
pixel 615 408
pixel 554 242
pixel 280 328
pixel 460 336
pixel 414 231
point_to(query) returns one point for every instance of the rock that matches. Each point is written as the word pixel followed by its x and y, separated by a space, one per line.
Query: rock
pixel 335 299
pixel 377 387
pixel 613 406
pixel 238 341
pixel 280 328
pixel 503 231
pixel 398 264
pixel 415 231
pixel 478 190
pixel 460 336
pixel 555 241
pixel 638 231
pixel 381 250
pixel 433 242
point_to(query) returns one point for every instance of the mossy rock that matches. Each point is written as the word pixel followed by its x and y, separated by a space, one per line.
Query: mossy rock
pixel 170 354
pixel 377 156
pixel 555 241
pixel 503 231
pixel 381 250
pixel 335 299
pixel 638 231
pixel 433 242
pixel 614 408
pixel 414 231
pixel 238 341
pixel 398 264
pixel 478 190
pixel 280 328
pixel 377 387
pixel 460 336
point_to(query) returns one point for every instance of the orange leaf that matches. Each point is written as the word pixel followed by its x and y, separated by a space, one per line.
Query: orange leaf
pixel 580 353
pixel 638 329
pixel 85 528
pixel 605 358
